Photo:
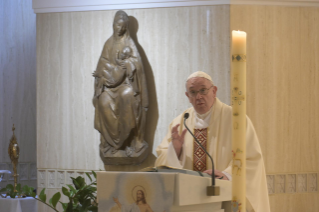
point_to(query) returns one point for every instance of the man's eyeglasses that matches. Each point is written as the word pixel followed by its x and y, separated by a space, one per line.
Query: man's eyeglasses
pixel 202 91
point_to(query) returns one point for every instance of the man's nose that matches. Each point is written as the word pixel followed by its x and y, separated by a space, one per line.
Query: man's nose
pixel 198 95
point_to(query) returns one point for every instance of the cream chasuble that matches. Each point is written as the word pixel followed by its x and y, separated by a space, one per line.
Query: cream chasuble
pixel 219 145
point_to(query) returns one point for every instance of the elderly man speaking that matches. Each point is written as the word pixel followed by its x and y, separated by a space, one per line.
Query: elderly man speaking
pixel 211 122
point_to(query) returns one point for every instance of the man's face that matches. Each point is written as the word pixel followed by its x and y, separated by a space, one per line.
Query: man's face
pixel 201 103
pixel 139 196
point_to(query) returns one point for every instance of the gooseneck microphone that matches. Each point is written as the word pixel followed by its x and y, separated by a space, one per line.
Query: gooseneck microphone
pixel 211 190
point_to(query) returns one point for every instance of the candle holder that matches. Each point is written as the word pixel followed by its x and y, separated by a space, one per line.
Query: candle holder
pixel 13 152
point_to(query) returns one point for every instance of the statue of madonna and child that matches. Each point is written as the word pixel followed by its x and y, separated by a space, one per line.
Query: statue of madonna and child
pixel 120 98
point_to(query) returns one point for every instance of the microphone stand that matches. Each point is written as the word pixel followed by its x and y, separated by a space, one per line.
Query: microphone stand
pixel 211 190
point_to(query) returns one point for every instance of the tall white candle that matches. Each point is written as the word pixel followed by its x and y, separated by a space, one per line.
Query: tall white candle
pixel 238 99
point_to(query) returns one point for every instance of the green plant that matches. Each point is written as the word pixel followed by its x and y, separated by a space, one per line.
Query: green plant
pixel 82 197
pixel 9 191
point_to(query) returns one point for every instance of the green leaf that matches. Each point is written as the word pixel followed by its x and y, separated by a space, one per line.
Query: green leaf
pixel 81 181
pixel 25 189
pixel 4 189
pixel 72 188
pixel 33 194
pixel 94 174
pixel 87 174
pixel 55 199
pixel 13 195
pixel 76 207
pixel 86 203
pixel 64 205
pixel 30 192
pixel 76 184
pixel 71 194
pixel 93 208
pixel 92 196
pixel 50 201
pixel 43 196
pixel 9 187
pixel 93 189
pixel 69 207
pixel 65 191
pixel 18 188
pixel 75 201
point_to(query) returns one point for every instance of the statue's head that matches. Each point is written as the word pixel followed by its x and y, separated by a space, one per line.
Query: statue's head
pixel 120 23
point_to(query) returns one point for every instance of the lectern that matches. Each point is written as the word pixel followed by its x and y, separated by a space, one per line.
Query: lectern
pixel 139 191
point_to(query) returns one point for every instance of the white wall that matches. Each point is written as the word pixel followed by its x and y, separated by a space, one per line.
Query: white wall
pixel 18 86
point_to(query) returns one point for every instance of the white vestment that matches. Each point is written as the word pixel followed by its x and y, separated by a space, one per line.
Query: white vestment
pixel 219 145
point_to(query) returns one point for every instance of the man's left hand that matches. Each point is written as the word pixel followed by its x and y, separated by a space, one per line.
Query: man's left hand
pixel 218 174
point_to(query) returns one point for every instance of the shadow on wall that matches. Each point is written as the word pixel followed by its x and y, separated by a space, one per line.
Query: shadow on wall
pixel 152 113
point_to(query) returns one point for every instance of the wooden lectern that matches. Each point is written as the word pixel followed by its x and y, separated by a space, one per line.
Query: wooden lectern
pixel 136 191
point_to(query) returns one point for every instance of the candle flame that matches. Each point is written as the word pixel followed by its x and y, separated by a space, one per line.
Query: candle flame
pixel 239 32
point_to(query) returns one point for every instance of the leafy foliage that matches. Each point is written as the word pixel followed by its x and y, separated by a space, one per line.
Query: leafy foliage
pixel 82 197
pixel 19 192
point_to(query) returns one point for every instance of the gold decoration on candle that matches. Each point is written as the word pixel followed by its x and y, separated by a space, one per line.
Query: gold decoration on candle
pixel 236 205
pixel 13 152
pixel 237 162
pixel 235 77
pixel 238 98
pixel 239 58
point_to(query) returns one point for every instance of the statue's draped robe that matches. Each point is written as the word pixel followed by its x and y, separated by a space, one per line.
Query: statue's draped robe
pixel 118 113
pixel 219 145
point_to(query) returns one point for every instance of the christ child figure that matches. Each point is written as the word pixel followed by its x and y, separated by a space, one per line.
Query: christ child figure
pixel 126 57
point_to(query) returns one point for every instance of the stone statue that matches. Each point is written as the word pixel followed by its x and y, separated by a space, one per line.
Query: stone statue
pixel 120 98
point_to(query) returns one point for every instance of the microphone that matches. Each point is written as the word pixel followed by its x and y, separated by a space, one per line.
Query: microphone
pixel 211 190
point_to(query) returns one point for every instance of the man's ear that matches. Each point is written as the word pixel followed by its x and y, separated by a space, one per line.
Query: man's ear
pixel 215 89
pixel 187 96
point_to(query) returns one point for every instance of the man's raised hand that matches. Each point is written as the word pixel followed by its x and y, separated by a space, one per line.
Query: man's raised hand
pixel 177 139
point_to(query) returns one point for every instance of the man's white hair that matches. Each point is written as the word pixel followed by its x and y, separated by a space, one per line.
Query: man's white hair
pixel 199 74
